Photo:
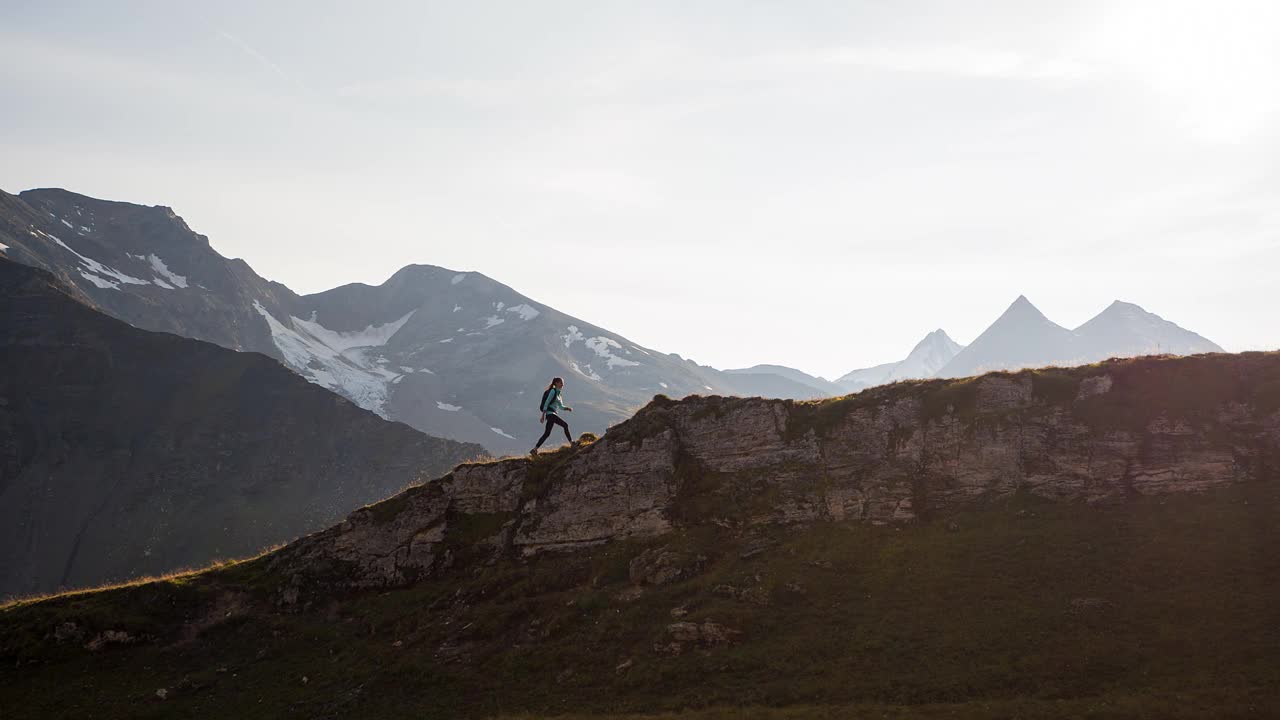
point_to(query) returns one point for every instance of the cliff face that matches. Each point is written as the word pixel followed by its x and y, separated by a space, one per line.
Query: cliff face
pixel 902 453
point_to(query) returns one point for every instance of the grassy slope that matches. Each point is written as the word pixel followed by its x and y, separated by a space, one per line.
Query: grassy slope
pixel 977 611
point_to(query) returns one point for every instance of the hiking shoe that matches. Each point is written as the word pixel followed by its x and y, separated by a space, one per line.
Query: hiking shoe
pixel 533 451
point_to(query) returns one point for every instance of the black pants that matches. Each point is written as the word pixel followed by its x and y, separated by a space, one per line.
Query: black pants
pixel 552 421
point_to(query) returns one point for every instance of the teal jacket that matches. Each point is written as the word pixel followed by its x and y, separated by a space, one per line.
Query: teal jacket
pixel 553 403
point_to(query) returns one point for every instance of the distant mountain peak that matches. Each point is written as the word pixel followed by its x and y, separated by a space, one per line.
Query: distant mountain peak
pixel 1023 306
pixel 1118 307
pixel 926 357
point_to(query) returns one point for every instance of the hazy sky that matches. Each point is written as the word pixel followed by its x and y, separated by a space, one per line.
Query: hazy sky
pixel 808 183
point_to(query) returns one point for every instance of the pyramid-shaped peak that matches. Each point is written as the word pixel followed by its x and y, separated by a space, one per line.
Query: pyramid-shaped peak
pixel 1021 308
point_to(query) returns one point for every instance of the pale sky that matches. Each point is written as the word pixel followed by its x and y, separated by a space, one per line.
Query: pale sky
pixel 815 184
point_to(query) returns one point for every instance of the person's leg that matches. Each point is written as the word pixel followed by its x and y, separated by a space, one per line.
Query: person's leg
pixel 546 432
pixel 565 425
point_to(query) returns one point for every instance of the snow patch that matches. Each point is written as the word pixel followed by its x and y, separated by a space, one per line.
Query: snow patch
pixel 499 305
pixel 448 407
pixel 604 347
pixel 447 340
pixel 336 360
pixel 664 385
pixel 526 312
pixel 94 266
pixel 458 278
pixel 64 222
pixel 499 431
pixel 592 374
pixel 162 283
pixel 371 336
pixel 104 284
pixel 492 321
pixel 573 336
pixel 163 271
pixel 456 308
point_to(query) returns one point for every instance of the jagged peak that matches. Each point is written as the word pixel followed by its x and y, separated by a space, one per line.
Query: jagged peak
pixel 938 335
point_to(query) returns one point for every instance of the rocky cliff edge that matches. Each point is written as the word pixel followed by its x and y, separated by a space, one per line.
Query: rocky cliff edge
pixel 904 453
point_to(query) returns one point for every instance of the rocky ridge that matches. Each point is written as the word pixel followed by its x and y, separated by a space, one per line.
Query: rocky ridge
pixel 898 454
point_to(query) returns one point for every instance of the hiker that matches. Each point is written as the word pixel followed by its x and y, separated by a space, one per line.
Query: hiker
pixel 550 406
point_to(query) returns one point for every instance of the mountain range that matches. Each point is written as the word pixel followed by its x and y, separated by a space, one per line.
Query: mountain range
pixel 454 354
pixel 458 354
pixel 125 452
pixel 1022 337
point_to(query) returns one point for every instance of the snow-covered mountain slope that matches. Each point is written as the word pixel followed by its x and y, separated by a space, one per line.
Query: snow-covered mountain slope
pixel 460 354
pixel 454 354
pixel 142 265
pixel 126 452
pixel 925 359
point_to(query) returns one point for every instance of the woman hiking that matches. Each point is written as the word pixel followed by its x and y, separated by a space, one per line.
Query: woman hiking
pixel 551 406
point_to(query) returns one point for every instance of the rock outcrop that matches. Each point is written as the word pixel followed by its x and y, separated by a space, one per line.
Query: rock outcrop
pixel 903 453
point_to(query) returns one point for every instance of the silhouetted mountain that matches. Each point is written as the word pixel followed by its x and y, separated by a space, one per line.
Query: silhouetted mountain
pixel 127 452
